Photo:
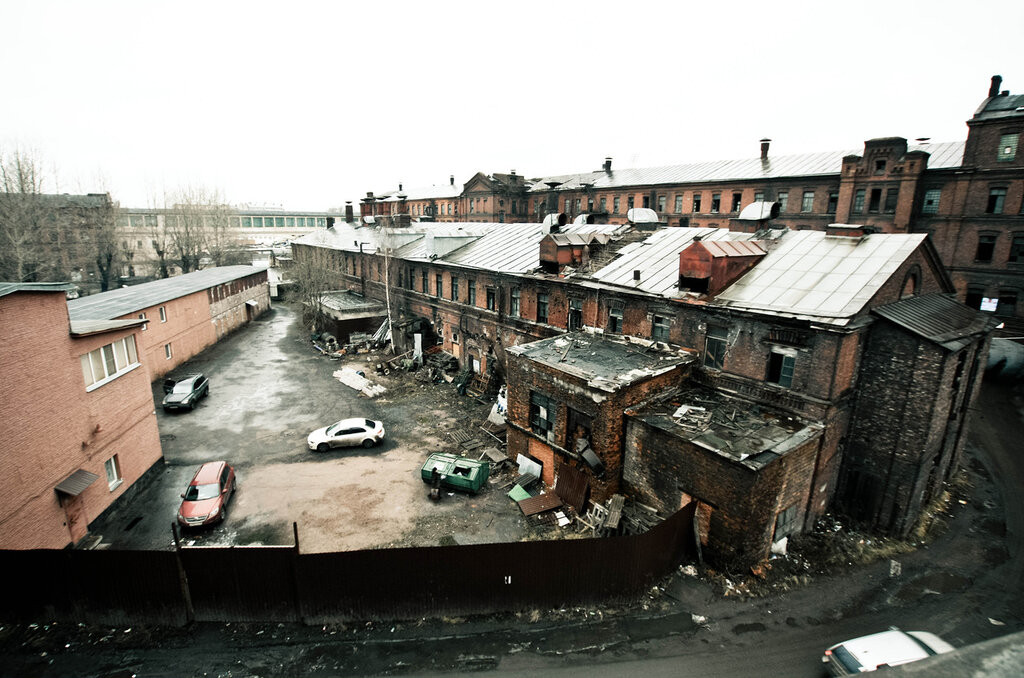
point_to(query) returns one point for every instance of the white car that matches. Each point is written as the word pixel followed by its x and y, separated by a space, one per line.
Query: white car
pixel 888 648
pixel 346 433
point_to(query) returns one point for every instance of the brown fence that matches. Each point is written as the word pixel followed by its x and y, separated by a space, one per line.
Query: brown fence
pixel 281 584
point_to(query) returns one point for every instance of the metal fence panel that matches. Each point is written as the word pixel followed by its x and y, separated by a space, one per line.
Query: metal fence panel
pixel 241 584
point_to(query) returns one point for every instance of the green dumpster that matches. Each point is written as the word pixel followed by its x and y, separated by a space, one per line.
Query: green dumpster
pixel 458 473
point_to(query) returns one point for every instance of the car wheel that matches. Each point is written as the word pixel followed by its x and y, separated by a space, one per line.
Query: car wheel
pixel 368 443
pixel 223 515
pixel 192 405
pixel 323 447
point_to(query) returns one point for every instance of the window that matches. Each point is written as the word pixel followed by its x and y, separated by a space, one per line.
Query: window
pixel 807 204
pixel 142 316
pixel 716 202
pixel 986 247
pixel 615 205
pixel 542 308
pixel 1007 304
pixel 629 202
pixel 1017 249
pixel 471 299
pixel 455 288
pixel 785 523
pixel 679 204
pixel 661 203
pixel 780 366
pixel 604 205
pixel 577 205
pixel 567 204
pixel 892 196
pixel 879 167
pixel 542 415
pixel 783 200
pixel 696 202
pixel 974 296
pixel 758 196
pixel 737 199
pixel 660 328
pixel 833 202
pixel 437 285
pixel 714 347
pixel 647 202
pixel 491 305
pixel 615 320
pixel 575 314
pixel 423 282
pixel 930 204
pixel 113 469
pixel 996 197
pixel 455 337
pixel 513 304
pixel 163 314
pixel 106 363
pixel 1008 147
pixel 876 200
pixel 167 352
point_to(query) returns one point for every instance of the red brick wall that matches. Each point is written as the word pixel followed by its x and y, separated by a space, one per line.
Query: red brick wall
pixel 50 426
pixel 188 329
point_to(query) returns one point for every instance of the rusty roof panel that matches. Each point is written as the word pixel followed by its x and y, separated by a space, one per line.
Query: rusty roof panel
pixel 573 486
pixel 540 503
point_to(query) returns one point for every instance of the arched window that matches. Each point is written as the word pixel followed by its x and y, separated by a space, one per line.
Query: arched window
pixel 911 283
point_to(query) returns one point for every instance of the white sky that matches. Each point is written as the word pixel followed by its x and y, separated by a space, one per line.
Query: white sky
pixel 310 104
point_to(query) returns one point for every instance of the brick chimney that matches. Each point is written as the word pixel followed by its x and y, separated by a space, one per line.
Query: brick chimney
pixel 764 148
pixel 997 81
pixel 349 215
pixel 607 164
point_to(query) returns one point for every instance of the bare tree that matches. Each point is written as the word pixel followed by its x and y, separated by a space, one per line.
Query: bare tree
pixel 197 225
pixel 27 235
pixel 312 282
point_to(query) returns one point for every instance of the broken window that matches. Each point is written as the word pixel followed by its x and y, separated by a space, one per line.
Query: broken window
pixel 783 200
pixel 986 246
pixel 876 200
pixel 542 308
pixel 661 203
pixel 696 202
pixel 679 204
pixel 437 286
pixel 833 202
pixel 575 314
pixel 974 296
pixel 660 328
pixel 780 366
pixel 542 415
pixel 714 347
pixel 785 523
pixel 996 197
pixel 490 299
pixel 455 288
pixel 892 196
pixel 629 202
pixel 615 320
pixel 1017 248
pixel 577 430
pixel 513 304
pixel 716 202
pixel 930 204
pixel 737 199
pixel 615 205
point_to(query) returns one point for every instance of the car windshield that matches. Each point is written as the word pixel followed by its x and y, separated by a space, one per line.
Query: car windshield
pixel 183 387
pixel 201 492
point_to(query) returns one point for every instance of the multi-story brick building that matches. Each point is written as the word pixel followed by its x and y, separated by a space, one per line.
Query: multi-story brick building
pixel 77 424
pixel 780 320
pixel 184 314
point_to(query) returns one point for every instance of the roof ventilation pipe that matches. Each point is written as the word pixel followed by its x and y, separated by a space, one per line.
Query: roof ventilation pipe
pixel 764 148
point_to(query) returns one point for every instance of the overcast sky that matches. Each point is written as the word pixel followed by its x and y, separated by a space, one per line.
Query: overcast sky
pixel 309 104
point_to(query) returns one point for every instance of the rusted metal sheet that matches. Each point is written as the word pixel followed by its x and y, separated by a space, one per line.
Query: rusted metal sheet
pixel 540 503
pixel 573 486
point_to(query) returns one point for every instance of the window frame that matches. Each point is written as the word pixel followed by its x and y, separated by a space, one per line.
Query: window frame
pixel 807 201
pixel 112 468
pixel 985 251
pixel 124 361
pixel 716 342
pixel 930 201
pixel 543 309
pixel 543 415
pixel 514 305
pixel 163 314
pixel 781 366
pixel 661 327
pixel 996 200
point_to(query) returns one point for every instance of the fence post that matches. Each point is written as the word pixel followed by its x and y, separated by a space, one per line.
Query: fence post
pixel 186 594
pixel 295 574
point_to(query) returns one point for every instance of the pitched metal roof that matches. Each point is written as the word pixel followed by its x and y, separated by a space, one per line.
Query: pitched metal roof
pixel 938 318
pixel 820 277
pixel 119 302
pixel 515 248
pixel 12 287
pixel 82 328
pixel 657 259
pixel 943 155
pixel 733 248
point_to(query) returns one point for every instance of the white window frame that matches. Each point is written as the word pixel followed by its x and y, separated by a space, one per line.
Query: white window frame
pixel 168 352
pixel 142 316
pixel 163 314
pixel 122 355
pixel 113 470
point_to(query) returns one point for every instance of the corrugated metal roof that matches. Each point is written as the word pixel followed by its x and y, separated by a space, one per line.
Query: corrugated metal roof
pixel 515 248
pixel 733 248
pixel 81 328
pixel 12 287
pixel 76 483
pixel 811 275
pixel 119 302
pixel 657 259
pixel 938 318
pixel 943 155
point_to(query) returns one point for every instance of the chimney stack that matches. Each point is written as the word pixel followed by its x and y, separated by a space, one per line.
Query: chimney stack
pixel 607 164
pixel 764 148
pixel 349 216
pixel 997 80
pixel 399 185
pixel 451 180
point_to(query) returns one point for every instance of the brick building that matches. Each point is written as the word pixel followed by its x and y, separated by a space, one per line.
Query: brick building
pixel 968 195
pixel 184 314
pixel 77 422
pixel 781 320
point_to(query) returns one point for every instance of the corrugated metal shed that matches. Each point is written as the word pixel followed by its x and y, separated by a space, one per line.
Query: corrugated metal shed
pixel 938 318
pixel 119 302
pixel 815 276
pixel 943 155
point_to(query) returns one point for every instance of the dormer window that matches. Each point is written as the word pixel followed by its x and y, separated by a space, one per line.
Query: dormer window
pixel 1008 147
pixel 879 167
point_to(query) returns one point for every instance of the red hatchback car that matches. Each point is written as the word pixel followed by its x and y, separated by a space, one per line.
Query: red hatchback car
pixel 204 501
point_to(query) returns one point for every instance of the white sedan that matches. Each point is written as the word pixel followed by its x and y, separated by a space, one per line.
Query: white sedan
pixel 347 433
pixel 888 648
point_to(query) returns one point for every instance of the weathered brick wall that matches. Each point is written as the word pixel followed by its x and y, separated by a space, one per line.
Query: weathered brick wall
pixel 50 426
pixel 228 309
pixel 188 329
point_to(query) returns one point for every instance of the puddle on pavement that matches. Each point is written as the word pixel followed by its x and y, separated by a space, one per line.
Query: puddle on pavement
pixel 937 583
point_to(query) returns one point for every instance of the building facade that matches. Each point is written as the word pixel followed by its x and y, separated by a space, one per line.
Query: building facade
pixel 77 419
